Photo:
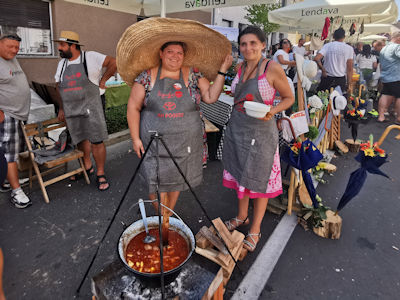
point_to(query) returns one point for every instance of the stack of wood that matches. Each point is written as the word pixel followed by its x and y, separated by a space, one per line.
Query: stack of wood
pixel 209 245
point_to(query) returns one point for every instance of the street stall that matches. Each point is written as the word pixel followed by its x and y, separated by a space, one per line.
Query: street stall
pixel 312 13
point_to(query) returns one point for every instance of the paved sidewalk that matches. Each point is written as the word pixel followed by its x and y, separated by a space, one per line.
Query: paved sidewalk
pixel 48 247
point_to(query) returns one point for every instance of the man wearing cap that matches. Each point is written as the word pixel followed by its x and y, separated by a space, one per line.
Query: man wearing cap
pixel 338 63
pixel 79 76
pixel 15 100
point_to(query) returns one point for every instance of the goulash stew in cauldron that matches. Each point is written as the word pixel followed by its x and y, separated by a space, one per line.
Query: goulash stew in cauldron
pixel 146 257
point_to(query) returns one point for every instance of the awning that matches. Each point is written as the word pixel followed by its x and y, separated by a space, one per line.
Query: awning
pixel 312 13
pixel 153 7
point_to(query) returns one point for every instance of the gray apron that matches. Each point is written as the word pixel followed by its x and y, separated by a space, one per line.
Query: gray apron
pixel 250 143
pixel 82 105
pixel 171 111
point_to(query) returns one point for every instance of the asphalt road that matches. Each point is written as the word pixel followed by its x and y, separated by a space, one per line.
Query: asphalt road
pixel 48 247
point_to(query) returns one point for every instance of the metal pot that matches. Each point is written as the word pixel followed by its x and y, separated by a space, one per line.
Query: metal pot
pixel 153 279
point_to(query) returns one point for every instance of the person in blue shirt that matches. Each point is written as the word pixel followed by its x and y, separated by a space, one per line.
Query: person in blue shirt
pixel 389 59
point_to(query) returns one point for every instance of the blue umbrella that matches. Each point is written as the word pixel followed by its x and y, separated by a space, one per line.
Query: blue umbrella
pixel 358 177
pixel 307 158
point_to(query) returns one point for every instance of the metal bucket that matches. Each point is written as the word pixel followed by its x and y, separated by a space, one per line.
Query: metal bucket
pixel 153 279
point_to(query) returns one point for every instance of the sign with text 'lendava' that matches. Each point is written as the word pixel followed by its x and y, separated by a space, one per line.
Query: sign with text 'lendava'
pixel 152 7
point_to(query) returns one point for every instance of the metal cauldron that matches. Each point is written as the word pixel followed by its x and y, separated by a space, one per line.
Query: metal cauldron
pixel 153 279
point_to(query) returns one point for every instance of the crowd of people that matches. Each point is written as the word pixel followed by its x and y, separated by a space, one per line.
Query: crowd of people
pixel 166 93
pixel 377 63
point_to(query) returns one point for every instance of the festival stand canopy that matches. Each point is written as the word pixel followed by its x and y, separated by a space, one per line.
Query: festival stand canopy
pixel 369 29
pixel 379 28
pixel 160 7
pixel 373 37
pixel 312 13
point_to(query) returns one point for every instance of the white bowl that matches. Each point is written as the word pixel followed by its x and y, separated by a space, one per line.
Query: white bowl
pixel 256 109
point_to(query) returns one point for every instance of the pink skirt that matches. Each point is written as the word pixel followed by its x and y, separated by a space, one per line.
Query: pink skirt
pixel 274 187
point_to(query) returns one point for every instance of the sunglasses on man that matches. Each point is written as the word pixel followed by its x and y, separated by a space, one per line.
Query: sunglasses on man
pixel 11 37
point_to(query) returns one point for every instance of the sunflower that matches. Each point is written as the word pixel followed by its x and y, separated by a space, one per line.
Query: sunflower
pixel 369 152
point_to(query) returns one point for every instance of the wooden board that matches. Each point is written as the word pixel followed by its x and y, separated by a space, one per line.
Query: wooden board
pixel 342 148
pixel 224 232
pixel 210 127
pixel 216 289
pixel 304 196
pixel 75 154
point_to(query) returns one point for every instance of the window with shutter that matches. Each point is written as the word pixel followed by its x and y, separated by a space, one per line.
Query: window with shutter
pixel 30 19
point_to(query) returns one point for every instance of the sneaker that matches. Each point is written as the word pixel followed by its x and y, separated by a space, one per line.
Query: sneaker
pixel 19 199
pixel 4 188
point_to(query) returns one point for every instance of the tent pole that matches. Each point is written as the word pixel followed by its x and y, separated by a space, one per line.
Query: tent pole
pixel 163 10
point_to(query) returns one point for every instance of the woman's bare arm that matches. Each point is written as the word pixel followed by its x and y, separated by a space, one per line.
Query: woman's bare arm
pixel 135 104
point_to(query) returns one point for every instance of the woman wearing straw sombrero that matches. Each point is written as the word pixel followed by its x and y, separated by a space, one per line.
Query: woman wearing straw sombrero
pixel 169 62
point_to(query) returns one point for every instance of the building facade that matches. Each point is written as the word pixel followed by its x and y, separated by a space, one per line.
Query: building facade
pixel 39 21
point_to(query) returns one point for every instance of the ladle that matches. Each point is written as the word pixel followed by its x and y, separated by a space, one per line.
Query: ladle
pixel 149 238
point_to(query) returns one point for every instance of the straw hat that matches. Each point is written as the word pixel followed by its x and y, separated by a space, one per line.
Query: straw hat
pixel 338 102
pixel 69 37
pixel 139 47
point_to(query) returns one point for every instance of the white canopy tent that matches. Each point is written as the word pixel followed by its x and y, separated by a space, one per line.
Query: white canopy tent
pixel 368 29
pixel 312 13
pixel 373 37
pixel 379 28
pixel 161 7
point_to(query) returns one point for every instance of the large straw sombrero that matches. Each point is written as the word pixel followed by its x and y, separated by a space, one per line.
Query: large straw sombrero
pixel 138 49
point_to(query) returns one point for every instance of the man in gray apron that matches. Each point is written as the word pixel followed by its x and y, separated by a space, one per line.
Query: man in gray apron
pixel 81 103
pixel 171 112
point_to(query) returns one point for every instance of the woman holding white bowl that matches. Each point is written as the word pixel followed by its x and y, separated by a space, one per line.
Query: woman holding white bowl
pixel 250 153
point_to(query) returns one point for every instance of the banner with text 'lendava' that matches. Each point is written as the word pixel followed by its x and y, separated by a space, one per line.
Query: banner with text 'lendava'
pixel 152 7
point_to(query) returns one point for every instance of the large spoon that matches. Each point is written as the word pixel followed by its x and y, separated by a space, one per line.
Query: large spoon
pixel 149 238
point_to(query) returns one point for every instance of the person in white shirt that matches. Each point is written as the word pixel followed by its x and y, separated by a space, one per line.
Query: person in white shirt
pixel 282 55
pixel 338 63
pixel 300 49
pixel 79 76
pixel 366 62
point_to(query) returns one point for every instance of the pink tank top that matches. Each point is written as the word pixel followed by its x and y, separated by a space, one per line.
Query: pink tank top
pixel 267 92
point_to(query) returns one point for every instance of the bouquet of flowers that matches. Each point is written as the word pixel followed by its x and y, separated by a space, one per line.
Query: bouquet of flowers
pixel 324 96
pixel 355 114
pixel 314 105
pixel 304 156
pixel 372 149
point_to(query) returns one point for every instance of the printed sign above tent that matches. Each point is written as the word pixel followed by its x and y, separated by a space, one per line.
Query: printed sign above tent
pixel 154 7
